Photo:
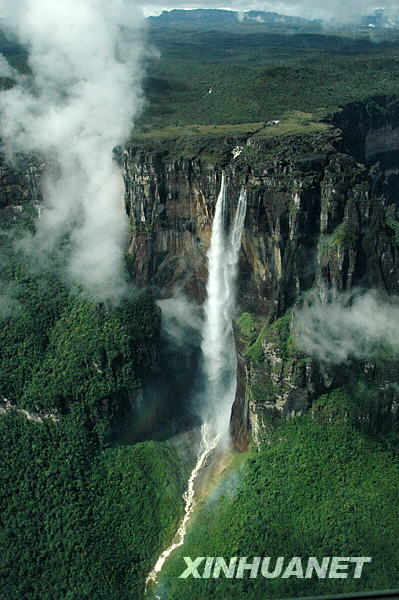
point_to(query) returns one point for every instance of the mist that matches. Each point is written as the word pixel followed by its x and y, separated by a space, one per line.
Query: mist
pixel 350 326
pixel 79 102
pixel 181 320
pixel 335 12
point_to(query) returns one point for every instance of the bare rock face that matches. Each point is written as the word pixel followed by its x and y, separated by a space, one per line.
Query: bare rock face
pixel 169 204
pixel 321 215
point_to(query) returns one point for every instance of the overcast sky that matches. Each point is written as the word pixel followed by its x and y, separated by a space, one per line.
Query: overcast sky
pixel 341 10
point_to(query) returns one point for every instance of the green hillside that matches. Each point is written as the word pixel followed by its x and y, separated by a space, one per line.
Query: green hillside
pixel 219 77
pixel 319 489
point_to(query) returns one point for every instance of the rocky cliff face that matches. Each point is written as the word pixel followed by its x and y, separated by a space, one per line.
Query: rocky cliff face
pixel 322 214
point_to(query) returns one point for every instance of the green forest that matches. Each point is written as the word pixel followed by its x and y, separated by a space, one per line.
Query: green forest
pixel 81 520
pixel 229 77
pixel 319 488
pixel 82 515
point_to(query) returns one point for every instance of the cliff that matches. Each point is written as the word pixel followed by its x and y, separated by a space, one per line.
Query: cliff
pixel 322 214
pixel 322 217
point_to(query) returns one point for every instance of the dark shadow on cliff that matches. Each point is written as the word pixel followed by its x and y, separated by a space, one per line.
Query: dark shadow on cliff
pixel 163 408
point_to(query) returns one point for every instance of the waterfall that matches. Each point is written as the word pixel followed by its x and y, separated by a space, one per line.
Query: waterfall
pixel 219 369
pixel 218 350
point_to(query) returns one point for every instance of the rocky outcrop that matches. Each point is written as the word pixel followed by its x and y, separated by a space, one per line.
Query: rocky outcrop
pixel 321 215
pixel 38 417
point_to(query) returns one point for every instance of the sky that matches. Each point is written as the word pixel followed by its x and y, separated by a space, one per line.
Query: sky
pixel 336 10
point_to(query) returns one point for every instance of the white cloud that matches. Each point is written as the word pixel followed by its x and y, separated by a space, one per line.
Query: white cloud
pixel 86 89
pixel 348 326
pixel 181 319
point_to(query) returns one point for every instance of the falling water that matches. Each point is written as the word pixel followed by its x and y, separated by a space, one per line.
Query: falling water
pixel 218 351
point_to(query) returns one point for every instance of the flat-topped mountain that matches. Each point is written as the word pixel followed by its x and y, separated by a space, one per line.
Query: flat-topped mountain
pixel 212 18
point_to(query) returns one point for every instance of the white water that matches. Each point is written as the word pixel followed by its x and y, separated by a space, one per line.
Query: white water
pixel 207 445
pixel 218 350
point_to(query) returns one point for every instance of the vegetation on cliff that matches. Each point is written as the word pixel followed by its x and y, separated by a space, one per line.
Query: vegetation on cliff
pixel 229 79
pixel 59 348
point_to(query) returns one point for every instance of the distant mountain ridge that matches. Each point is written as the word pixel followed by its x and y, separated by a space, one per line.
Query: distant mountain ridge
pixel 219 18
pixel 222 18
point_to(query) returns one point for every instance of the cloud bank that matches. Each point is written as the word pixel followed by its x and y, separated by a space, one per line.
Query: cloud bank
pixel 350 326
pixel 85 58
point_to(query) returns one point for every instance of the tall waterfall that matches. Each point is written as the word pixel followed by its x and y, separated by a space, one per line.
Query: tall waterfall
pixel 218 351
